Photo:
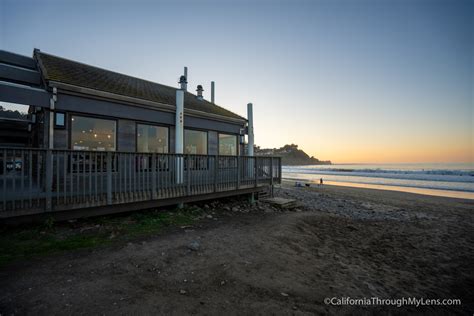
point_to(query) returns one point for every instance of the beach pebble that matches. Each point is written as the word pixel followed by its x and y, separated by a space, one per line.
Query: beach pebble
pixel 194 245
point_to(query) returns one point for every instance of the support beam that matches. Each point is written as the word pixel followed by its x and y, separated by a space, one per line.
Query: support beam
pixel 252 163
pixel 19 75
pixel 17 60
pixel 250 129
pixel 52 104
pixel 21 94
pixel 179 135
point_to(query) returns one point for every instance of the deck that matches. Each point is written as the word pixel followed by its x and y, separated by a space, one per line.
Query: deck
pixel 81 183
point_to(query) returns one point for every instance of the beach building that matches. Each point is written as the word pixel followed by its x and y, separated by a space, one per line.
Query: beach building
pixel 96 141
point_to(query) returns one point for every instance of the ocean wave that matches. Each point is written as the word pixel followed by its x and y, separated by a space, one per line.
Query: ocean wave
pixel 444 172
pixel 428 175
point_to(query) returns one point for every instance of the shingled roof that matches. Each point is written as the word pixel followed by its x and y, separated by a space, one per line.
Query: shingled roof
pixel 78 74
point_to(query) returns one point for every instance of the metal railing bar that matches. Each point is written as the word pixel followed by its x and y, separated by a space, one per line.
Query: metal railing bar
pixel 70 177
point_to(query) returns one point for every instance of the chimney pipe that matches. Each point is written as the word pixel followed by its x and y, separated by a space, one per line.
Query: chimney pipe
pixel 183 83
pixel 199 92
pixel 186 75
pixel 212 92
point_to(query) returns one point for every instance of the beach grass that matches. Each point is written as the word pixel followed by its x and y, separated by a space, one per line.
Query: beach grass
pixel 27 241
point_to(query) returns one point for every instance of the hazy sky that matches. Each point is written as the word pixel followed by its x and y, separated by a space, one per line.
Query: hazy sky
pixel 350 81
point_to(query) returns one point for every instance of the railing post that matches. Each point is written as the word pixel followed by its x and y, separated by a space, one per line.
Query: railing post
pixel 255 170
pixel 154 194
pixel 109 177
pixel 238 172
pixel 216 170
pixel 188 176
pixel 279 169
pixel 4 178
pixel 49 179
pixel 271 175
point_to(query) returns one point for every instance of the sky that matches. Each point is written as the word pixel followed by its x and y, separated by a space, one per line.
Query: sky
pixel 348 81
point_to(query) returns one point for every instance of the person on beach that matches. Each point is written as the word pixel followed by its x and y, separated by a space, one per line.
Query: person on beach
pixel 321 181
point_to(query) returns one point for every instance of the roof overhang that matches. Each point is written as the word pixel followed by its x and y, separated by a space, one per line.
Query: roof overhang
pixel 82 91
pixel 23 94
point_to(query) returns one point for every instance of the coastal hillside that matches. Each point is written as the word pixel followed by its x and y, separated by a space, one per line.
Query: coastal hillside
pixel 290 155
pixel 13 114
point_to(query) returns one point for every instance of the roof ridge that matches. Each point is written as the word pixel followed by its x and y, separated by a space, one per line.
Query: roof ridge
pixel 41 67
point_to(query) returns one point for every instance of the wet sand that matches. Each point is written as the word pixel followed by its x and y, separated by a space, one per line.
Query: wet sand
pixel 424 191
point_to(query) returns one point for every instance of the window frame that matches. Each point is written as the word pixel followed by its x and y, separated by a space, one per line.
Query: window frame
pixel 154 125
pixel 108 118
pixel 197 130
pixel 237 153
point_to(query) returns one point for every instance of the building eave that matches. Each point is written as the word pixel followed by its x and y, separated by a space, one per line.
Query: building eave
pixel 77 90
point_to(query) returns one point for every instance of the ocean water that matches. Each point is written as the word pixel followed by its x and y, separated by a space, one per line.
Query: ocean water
pixel 431 177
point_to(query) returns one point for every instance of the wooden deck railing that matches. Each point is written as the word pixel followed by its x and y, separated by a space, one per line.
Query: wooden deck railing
pixel 39 180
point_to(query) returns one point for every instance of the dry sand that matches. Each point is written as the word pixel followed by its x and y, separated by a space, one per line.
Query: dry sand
pixel 342 242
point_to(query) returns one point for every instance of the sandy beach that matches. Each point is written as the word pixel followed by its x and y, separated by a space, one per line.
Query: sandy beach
pixel 257 259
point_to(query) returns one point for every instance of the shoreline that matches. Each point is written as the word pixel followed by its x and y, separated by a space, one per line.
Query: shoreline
pixel 413 190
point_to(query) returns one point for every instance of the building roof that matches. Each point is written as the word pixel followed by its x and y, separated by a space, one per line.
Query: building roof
pixel 78 74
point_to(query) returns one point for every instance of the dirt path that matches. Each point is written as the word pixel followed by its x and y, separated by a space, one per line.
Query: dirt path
pixel 345 243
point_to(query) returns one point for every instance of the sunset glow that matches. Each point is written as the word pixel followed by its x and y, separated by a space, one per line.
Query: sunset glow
pixel 348 81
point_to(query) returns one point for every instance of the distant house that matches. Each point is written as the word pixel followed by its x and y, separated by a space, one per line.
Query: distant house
pixel 95 138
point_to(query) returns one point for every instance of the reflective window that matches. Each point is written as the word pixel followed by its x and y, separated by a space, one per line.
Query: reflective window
pixel 227 144
pixel 152 139
pixel 60 119
pixel 89 133
pixel 195 142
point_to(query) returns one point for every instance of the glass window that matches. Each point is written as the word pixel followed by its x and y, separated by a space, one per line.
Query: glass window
pixel 152 139
pixel 227 144
pixel 89 133
pixel 195 142
pixel 60 119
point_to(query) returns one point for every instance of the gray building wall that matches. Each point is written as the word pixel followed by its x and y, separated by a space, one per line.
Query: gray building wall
pixel 128 116
pixel 212 143
pixel 72 103
pixel 126 135
pixel 61 139
pixel 171 139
